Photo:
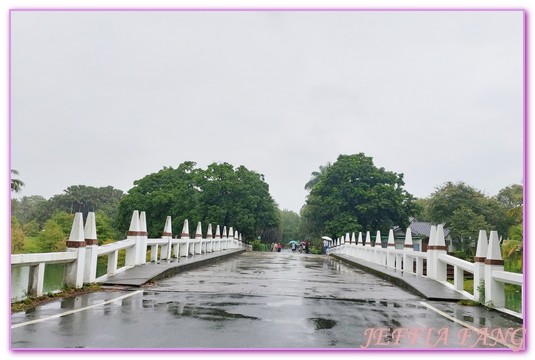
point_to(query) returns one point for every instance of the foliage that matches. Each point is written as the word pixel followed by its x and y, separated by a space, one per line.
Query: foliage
pixel 290 225
pixel 516 232
pixel 105 229
pixel 34 211
pixel 450 197
pixel 18 237
pixel 32 302
pixel 31 208
pixel 462 223
pixel 82 198
pixel 64 220
pixel 512 196
pixel 52 238
pixel 221 195
pixel 463 255
pixel 354 195
pixel 32 228
pixel 466 210
pixel 260 246
pixel 481 291
pixel 423 210
pixel 316 175
pixel 16 184
pixel 512 253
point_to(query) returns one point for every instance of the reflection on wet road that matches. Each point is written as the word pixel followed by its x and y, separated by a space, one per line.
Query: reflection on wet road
pixel 262 300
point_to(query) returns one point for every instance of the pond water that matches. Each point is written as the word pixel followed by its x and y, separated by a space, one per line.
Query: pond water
pixel 19 280
pixel 53 281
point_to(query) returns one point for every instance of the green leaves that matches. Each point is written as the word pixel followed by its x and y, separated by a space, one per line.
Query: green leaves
pixel 353 194
pixel 467 210
pixel 220 195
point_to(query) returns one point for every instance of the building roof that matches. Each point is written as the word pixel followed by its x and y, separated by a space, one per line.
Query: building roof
pixel 420 228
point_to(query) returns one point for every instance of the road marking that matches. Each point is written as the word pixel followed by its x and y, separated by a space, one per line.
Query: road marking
pixel 473 328
pixel 75 310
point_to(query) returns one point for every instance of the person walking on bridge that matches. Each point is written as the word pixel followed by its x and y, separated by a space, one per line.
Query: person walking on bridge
pixel 279 247
pixel 325 246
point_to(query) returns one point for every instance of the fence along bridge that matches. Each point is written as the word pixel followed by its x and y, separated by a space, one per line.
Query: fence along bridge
pixel 80 258
pixel 83 250
pixel 487 270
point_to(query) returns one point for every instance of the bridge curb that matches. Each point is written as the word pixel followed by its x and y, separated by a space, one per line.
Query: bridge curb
pixel 143 274
pixel 192 265
pixel 395 277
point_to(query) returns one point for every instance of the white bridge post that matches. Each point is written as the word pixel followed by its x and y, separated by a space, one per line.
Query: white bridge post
pixel 390 247
pixel 184 237
pixel 209 239
pixel 198 240
pixel 74 272
pixel 218 238
pixel 479 264
pixel 167 235
pixel 494 290
pixel 132 254
pixel 91 254
pixel 225 238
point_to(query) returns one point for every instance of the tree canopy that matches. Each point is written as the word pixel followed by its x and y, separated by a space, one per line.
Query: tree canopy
pixel 82 198
pixel 466 210
pixel 353 194
pixel 218 195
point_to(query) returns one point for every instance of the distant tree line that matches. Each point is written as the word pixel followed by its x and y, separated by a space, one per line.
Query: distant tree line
pixel 220 194
pixel 349 195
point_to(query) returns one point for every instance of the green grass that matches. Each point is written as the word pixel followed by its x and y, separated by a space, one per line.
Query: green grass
pixel 513 295
pixel 468 285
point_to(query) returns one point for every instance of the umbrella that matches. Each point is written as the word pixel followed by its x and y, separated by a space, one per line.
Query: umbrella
pixel 293 242
pixel 326 238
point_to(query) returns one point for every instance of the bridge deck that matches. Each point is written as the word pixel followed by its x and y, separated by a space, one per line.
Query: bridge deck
pixel 142 274
pixel 427 288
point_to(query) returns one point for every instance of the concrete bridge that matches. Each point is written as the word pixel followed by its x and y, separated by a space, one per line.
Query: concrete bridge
pixel 83 251
pixel 267 300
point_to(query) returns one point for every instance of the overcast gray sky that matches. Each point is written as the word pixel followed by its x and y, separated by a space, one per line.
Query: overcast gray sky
pixel 106 97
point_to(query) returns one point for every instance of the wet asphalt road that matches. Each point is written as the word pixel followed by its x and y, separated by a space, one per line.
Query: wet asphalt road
pixel 258 300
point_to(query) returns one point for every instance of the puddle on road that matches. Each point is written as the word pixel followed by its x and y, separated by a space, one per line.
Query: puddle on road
pixel 323 324
pixel 202 313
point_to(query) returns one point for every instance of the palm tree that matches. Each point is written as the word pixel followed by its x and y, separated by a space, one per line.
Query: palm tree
pixel 16 184
pixel 316 175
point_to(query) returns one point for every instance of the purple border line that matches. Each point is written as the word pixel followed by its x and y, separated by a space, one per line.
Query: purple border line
pixel 525 287
pixel 292 9
pixel 230 9
pixel 8 144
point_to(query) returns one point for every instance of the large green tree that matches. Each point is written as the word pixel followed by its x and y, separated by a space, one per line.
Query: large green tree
pixel 17 236
pixel 220 195
pixel 31 208
pixel 450 201
pixel 52 238
pixel 82 198
pixel 354 195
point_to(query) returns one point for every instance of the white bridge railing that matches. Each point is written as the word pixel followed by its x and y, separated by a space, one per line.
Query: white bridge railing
pixel 80 258
pixel 487 268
